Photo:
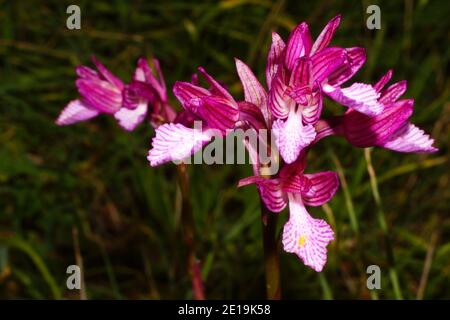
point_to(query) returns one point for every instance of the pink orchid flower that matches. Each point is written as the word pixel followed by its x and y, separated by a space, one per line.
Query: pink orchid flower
pixel 299 73
pixel 391 129
pixel 102 92
pixel 214 108
pixel 303 235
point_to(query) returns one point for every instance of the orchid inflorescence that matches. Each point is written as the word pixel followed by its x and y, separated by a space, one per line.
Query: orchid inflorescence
pixel 300 74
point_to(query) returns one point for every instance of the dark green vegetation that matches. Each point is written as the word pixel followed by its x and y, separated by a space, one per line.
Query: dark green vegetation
pixel 92 179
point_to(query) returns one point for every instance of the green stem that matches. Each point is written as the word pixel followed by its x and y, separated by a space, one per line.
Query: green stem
pixel 271 253
pixel 188 228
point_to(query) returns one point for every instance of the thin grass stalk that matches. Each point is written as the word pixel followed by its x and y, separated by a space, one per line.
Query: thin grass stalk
pixel 188 229
pixel 383 225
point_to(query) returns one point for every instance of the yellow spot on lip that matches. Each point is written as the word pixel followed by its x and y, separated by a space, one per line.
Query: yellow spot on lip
pixel 301 241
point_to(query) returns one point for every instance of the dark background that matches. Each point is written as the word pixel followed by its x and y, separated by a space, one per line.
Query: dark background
pixel 91 182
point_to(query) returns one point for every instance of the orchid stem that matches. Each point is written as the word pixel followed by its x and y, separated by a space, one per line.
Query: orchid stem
pixel 271 253
pixel 187 224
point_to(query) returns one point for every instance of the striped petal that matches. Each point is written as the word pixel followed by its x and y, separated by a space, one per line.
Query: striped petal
pixel 216 88
pixel 274 58
pixel 296 183
pixel 87 73
pixel 301 74
pixel 158 85
pixel 108 75
pixel 298 45
pixel 323 187
pixel 305 236
pixel 364 131
pixel 253 90
pixel 300 94
pixel 383 81
pixel 312 112
pixel 410 138
pixel 135 92
pixel 324 39
pixel 326 62
pixel 186 92
pixel 292 136
pixel 129 119
pixel 355 60
pixel 279 101
pixel 359 96
pixel 175 142
pixel 269 190
pixel 101 95
pixel 393 92
pixel 218 113
pixel 74 112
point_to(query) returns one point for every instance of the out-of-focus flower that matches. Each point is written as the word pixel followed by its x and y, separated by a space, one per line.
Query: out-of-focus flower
pixel 102 92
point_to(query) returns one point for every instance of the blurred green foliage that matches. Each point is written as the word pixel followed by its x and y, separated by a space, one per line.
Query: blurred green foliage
pixel 92 179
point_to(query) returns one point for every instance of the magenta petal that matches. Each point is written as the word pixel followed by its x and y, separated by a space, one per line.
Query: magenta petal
pixel 300 94
pixel 359 96
pixel 279 101
pixel 393 93
pixel 250 180
pixel 74 112
pixel 355 60
pixel 312 112
pixel 326 62
pixel 175 142
pixel 135 92
pixel 301 73
pixel 383 81
pixel 87 73
pixel 272 195
pixel 410 138
pixel 100 95
pixel 269 190
pixel 253 90
pixel 158 85
pixel 161 81
pixel 274 58
pixel 299 45
pixel 292 136
pixel 218 113
pixel 130 119
pixel 324 39
pixel 296 183
pixel 251 114
pixel 364 131
pixel 305 236
pixel 323 187
pixel 187 92
pixel 216 88
pixel 108 75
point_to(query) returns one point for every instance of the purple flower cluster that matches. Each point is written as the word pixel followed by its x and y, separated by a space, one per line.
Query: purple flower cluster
pixel 300 75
